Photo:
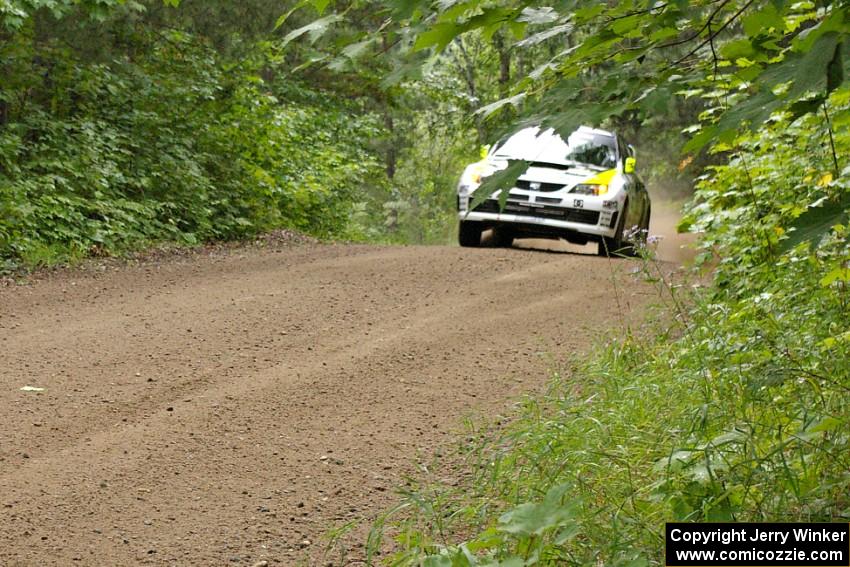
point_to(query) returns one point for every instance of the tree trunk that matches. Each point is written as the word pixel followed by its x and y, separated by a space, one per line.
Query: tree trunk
pixel 504 64
pixel 391 155
pixel 466 67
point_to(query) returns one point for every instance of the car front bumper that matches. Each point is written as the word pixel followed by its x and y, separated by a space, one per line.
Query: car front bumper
pixel 592 220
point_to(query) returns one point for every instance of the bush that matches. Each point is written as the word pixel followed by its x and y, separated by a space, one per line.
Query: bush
pixel 170 146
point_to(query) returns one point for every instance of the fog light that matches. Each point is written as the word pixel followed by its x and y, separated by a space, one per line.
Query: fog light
pixel 590 189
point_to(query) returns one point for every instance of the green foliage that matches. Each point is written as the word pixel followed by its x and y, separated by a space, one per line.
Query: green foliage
pixel 173 144
pixel 624 61
pixel 214 120
pixel 433 135
pixel 818 220
pixel 732 406
pixel 630 54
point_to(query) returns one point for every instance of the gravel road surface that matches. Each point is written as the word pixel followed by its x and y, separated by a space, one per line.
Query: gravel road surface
pixel 229 408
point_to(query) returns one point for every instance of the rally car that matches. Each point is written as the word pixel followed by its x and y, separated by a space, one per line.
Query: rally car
pixel 582 188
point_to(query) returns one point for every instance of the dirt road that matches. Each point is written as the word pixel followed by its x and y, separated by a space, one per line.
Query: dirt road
pixel 229 408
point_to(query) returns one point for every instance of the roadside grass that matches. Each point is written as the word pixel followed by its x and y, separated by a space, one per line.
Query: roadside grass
pixel 570 468
pixel 735 408
pixel 58 259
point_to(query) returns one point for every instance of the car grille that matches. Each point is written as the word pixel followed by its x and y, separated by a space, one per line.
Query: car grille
pixel 557 213
pixel 545 187
pixel 548 200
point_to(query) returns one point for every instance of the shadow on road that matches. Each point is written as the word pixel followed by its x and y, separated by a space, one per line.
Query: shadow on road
pixel 670 245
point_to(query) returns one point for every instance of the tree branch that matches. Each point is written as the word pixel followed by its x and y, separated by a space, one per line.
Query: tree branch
pixel 697 33
pixel 711 36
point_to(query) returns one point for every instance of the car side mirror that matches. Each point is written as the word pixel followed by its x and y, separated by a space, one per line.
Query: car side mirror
pixel 629 165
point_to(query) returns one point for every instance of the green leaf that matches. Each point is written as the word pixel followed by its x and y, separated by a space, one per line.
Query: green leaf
pixel 567 534
pixel 834 22
pixel 754 111
pixel 513 561
pixel 517 29
pixel 838 274
pixel 760 22
pixel 591 11
pixel 624 25
pixel 817 221
pixel 489 21
pixel 702 138
pixel 404 9
pixel 545 34
pixel 315 29
pixel 807 71
pixel 828 423
pixel 407 71
pixel 437 561
pixel 663 34
pixel 812 69
pixel 320 5
pixel 736 49
pixel 565 122
pixel 805 106
pixel 285 16
pixel 536 518
pixel 835 70
pixel 438 36
pixel 502 181
pixel 493 107
pixel 356 50
pixel 543 15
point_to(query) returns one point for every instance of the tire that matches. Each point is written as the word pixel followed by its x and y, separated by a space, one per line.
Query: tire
pixel 469 234
pixel 608 247
pixel 502 237
pixel 611 247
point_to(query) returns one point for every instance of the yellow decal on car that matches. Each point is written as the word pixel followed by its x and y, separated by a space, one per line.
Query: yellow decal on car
pixel 603 178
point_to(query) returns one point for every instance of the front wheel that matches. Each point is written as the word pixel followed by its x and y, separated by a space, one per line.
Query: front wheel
pixel 502 237
pixel 615 246
pixel 469 234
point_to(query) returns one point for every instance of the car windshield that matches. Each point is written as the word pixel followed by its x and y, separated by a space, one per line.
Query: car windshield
pixel 584 146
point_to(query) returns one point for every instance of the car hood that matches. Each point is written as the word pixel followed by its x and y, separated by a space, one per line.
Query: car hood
pixel 561 174
pixel 576 174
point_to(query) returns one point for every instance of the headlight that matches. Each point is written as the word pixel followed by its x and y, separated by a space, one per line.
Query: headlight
pixel 472 175
pixel 590 189
pixel 476 172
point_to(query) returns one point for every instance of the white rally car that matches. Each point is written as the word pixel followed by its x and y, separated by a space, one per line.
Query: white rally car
pixel 583 189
